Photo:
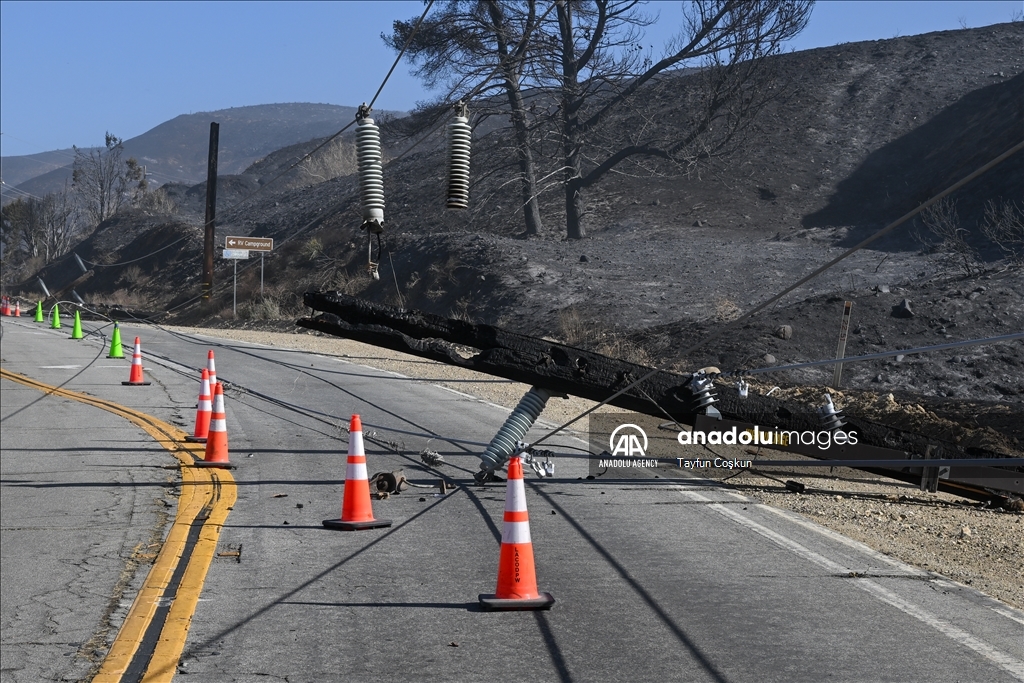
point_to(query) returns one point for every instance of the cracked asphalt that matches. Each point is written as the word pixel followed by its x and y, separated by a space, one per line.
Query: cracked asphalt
pixel 81 507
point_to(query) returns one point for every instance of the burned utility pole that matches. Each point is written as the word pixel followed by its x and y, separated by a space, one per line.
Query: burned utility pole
pixel 211 211
pixel 554 369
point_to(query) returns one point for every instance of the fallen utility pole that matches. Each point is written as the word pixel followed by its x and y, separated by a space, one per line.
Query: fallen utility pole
pixel 556 367
pixel 57 294
pixel 561 369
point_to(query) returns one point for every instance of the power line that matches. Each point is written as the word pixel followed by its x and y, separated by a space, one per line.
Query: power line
pixel 873 356
pixel 18 191
pixel 310 154
pixel 405 47
pixel 736 323
pixel 333 137
pixel 141 258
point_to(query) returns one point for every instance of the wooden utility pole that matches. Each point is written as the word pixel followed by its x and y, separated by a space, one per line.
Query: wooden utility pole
pixel 211 211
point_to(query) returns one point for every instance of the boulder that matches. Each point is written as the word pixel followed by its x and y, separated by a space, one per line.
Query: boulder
pixel 902 310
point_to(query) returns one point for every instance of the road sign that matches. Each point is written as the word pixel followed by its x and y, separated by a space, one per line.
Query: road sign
pixel 236 254
pixel 250 243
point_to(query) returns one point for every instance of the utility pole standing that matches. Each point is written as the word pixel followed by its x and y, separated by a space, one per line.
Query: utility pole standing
pixel 211 211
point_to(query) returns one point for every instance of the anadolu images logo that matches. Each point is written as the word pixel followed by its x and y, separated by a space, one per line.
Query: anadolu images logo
pixel 628 443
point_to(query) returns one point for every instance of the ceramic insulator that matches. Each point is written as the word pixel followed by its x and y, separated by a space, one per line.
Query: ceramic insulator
pixel 371 171
pixel 505 442
pixel 459 137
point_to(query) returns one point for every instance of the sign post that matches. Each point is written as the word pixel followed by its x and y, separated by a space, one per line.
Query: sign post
pixel 235 255
pixel 260 244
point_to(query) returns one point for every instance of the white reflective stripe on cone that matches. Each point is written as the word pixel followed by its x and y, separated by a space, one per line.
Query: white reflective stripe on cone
pixel 516 532
pixel 355 443
pixel 515 496
pixel 205 406
pixel 355 470
pixel 218 425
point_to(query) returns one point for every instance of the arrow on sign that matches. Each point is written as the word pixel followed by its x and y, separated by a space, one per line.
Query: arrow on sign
pixel 251 243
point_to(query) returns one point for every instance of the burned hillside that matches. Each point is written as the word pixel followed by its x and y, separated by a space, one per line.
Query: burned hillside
pixel 856 135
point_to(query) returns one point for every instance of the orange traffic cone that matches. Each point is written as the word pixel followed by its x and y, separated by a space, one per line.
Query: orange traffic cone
pixel 203 411
pixel 5 307
pixel 211 367
pixel 356 511
pixel 17 309
pixel 135 377
pixel 217 438
pixel 517 580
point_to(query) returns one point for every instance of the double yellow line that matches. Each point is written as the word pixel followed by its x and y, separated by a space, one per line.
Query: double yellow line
pixel 210 492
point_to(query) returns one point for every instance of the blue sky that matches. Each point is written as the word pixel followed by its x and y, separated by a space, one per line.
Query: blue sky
pixel 71 71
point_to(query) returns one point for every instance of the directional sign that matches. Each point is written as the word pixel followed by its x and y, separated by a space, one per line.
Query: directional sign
pixel 250 243
pixel 236 254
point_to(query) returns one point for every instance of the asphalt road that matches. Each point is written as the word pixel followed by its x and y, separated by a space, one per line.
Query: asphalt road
pixel 667 578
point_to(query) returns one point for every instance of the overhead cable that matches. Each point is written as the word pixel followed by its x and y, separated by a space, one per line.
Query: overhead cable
pixel 736 323
pixel 873 356
pixel 408 42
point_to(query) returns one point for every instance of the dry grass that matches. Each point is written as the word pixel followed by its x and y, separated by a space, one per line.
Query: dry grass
pixel 157 202
pixel 577 332
pixel 133 277
pixel 461 311
pixel 726 309
pixel 263 308
pixel 446 270
pixel 332 161
pixel 572 328
pixel 123 297
pixel 1004 226
pixel 312 248
pixel 623 349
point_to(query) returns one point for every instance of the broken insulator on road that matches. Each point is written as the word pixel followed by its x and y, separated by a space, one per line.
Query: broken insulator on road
pixel 459 138
pixel 511 434
pixel 371 183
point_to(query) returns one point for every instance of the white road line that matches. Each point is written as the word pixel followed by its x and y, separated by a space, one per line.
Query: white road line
pixel 1013 666
pixel 995 605
pixel 991 603
pixel 856 545
pixel 1007 613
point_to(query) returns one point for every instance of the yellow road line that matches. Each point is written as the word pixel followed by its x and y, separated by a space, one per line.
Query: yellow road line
pixel 165 658
pixel 201 488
